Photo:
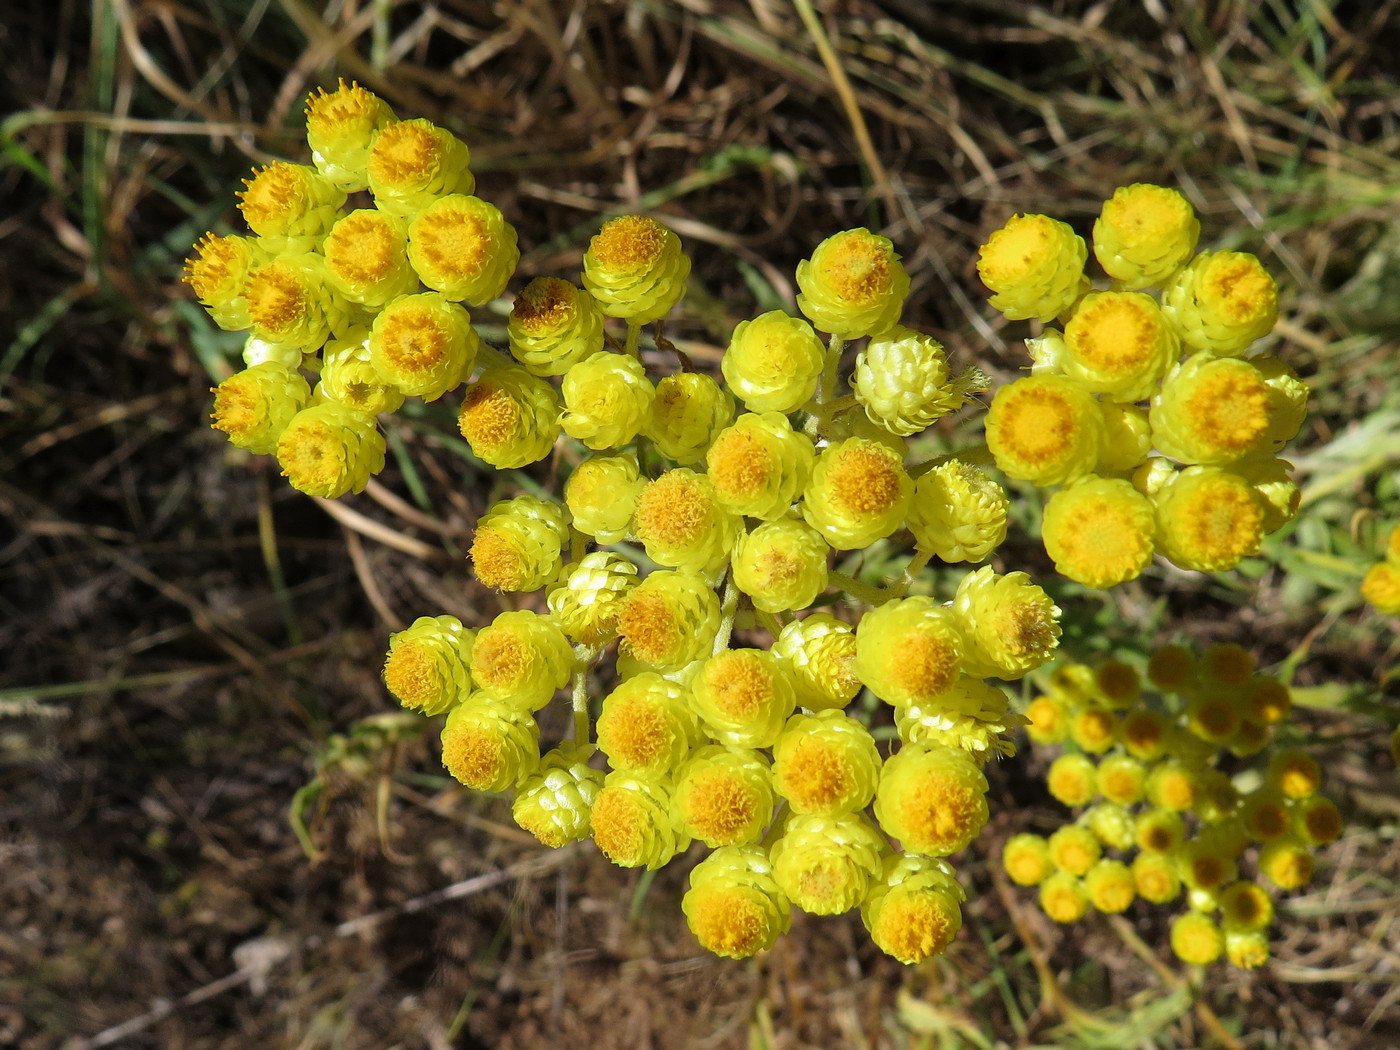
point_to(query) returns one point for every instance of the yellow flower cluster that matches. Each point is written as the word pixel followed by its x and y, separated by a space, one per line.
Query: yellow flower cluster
pixel 1153 452
pixel 1156 816
pixel 1381 585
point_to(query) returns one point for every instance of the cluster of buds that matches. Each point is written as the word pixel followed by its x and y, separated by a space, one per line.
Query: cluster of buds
pixel 1153 452
pixel 1381 584
pixel 1157 812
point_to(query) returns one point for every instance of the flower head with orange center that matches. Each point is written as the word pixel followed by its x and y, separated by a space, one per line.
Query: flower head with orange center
pixel 1209 520
pixel 519 543
pixel 1063 897
pixel 218 272
pixel 681 523
pixel 669 620
pixel 1317 821
pixel 1196 939
pixel 521 658
pixel 853 285
pixel 349 376
pixel 290 206
pixel 1026 859
pixel 859 492
pixel 414 162
pixel 1286 862
pixel 1044 429
pixel 1159 830
pixel 1119 344
pixel 253 407
pixel 463 247
pixel 646 725
pixel 1380 587
pixel 825 864
pixel 1072 779
pixel 635 268
pixel 909 650
pixel 328 450
pixel 366 258
pixel 509 418
pixel 744 696
pixel 1212 410
pixel 1049 720
pixel 912 911
pixel 825 763
pixel 1074 848
pixel 490 745
pixel 724 795
pixel 1010 626
pixel 424 344
pixel 1222 302
pixel 1144 234
pixel 759 465
pixel 1034 265
pixel 553 326
pixel 781 565
pixel 427 668
pixel 631 821
pixel 932 799
pixel 1110 886
pixel 340 126
pixel 290 304
pixel 734 907
pixel 1156 878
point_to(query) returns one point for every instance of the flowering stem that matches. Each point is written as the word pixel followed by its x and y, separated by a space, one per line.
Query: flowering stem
pixel 915 566
pixel 861 591
pixel 770 623
pixel 488 357
pixel 827 390
pixel 634 340
pixel 728 607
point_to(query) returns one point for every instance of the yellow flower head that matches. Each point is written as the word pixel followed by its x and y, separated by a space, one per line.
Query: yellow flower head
pixel 958 512
pixel 554 325
pixel 1144 234
pixel 328 450
pixel 521 658
pixel 1112 824
pixel 1173 785
pixel 1110 886
pixel 289 303
pixel 733 906
pixel 821 651
pixel 1119 344
pixel 1045 429
pixel 586 601
pixel 1093 728
pixel 1156 878
pixel 1172 668
pixel 509 418
pixel 1160 831
pixel 340 125
pixel 1317 821
pixel 781 565
pixel 1010 626
pixel 1118 684
pixel 1099 531
pixel 1209 520
pixel 689 411
pixel 291 206
pixel 1049 720
pixel 932 799
pixel 1246 905
pixel 1222 302
pixel 218 273
pixel 635 268
pixel 631 821
pixel 825 763
pixel 724 795
pixel 1286 862
pixel 859 493
pixel 826 864
pixel 681 523
pixel 1035 266
pixel 490 746
pixel 1196 939
pixel 646 725
pixel 1295 773
pixel 414 162
pixel 912 911
pixel 423 344
pixel 1213 410
pixel 1072 779
pixel 519 543
pixel 669 620
pixel 1246 949
pixel 554 803
pixel 1381 587
pixel 901 380
pixel 463 247
pixel 1074 848
pixel 349 376
pixel 1063 897
pixel 1204 865
pixel 1264 814
pixel 973 715
pixel 853 285
pixel 1026 859
pixel 743 696
pixel 909 651
pixel 1122 779
pixel 607 400
pixel 1214 715
pixel 773 362
pixel 253 407
pixel 759 465
pixel 366 258
pixel 427 667
pixel 601 494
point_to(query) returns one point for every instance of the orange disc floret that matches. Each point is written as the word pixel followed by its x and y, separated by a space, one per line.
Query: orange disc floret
pixel 1098 531
pixel 1110 886
pixel 853 285
pixel 1295 773
pixel 427 666
pixel 631 821
pixel 826 864
pixel 1094 728
pixel 1144 733
pixel 1044 429
pixel 254 407
pixel 1264 813
pixel 1222 302
pixel 724 795
pixel 909 651
pixel 1026 859
pixel 522 657
pixel 490 746
pixel 463 247
pixel 1035 266
pixel 1049 720
pixel 1156 878
pixel 734 907
pixel 932 799
pixel 1317 821
pixel 912 911
pixel 669 619
pixel 1209 519
pixel 328 450
pixel 291 204
pixel 1213 410
pixel 1159 830
pixel 1196 939
pixel 289 304
pixel 1122 779
pixel 365 257
pixel 1072 779
pixel 218 272
pixel 635 268
pixel 340 126
pixel 1075 849
pixel 509 418
pixel 1287 863
pixel 744 696
pixel 414 162
pixel 423 344
pixel 681 523
pixel 646 725
pixel 1145 234
pixel 1119 344
pixel 825 763
pixel 1380 587
pixel 1214 715
pixel 859 492
pixel 1063 897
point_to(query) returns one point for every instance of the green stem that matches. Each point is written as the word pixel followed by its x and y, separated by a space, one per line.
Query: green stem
pixel 634 340
pixel 728 607
pixel 826 390
pixel 912 570
pixel 488 357
pixel 583 659
pixel 770 623
pixel 861 591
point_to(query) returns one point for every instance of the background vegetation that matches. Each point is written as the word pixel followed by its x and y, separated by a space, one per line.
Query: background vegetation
pixel 191 648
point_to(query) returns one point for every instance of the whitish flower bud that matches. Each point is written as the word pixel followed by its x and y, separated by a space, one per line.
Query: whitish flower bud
pixel 366 258
pixel 1119 344
pixel 291 304
pixel 821 652
pixel 489 745
pixel 253 407
pixel 773 362
pixel 1010 626
pixel 825 763
pixel 901 379
pixel 932 799
pixel 463 247
pixel 668 620
pixel 760 465
pixel 349 376
pixel 1222 302
pixel 340 125
pixel 912 911
pixel 909 650
pixel 646 725
pixel 414 162
pixel 681 523
pixel 259 351
pixel 743 696
pixel 521 658
pixel 607 398
pixel 734 907
pixel 958 512
pixel 554 325
pixel 724 795
pixel 1209 519
pixel 1044 429
pixel 631 821
pixel 1145 234
pixel 218 273
pixel 427 666
pixel 1098 531
pixel 1213 410
pixel 509 418
pixel 973 716
pixel 781 565
pixel 519 543
pixel 555 802
pixel 635 268
pixel 586 603
pixel 689 410
pixel 601 495
pixel 853 285
pixel 1035 266
pixel 423 344
pixel 290 206
pixel 859 493
pixel 328 450
pixel 826 864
